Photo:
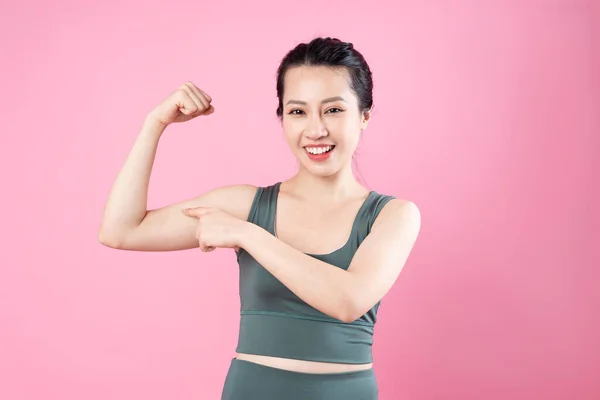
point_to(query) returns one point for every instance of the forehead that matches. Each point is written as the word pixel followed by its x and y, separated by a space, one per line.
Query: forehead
pixel 315 83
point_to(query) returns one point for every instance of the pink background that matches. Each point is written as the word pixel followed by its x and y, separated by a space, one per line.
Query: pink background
pixel 487 116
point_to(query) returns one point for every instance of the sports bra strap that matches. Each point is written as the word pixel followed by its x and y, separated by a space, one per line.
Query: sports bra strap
pixel 262 211
pixel 369 213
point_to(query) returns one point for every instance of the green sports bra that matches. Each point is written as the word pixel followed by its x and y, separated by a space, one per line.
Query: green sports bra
pixel 275 322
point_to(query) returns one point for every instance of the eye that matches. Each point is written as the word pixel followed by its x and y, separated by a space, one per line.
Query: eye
pixel 297 111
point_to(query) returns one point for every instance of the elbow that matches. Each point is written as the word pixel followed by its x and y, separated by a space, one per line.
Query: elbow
pixel 348 316
pixel 349 312
pixel 109 240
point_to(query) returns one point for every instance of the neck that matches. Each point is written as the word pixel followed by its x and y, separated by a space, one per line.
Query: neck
pixel 339 186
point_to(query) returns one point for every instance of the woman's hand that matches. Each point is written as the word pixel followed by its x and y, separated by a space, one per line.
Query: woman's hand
pixel 184 104
pixel 216 228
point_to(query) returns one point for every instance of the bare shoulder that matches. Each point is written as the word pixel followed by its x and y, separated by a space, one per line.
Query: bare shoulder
pixel 399 213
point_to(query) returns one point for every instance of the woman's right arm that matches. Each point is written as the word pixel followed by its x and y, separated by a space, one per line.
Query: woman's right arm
pixel 127 224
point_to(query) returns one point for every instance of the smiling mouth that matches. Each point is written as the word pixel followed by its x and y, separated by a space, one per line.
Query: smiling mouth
pixel 315 151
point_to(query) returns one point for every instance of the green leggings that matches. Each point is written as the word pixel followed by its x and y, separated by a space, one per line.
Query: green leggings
pixel 251 381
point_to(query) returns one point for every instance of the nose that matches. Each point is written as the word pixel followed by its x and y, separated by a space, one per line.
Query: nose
pixel 315 129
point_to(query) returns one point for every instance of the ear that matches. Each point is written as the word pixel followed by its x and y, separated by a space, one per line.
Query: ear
pixel 365 120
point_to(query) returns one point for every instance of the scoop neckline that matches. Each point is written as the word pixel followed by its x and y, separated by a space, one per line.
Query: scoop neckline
pixel 354 223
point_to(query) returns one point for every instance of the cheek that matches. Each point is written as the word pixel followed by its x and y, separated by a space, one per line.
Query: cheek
pixel 293 124
pixel 291 132
pixel 287 126
pixel 347 124
pixel 351 143
pixel 349 133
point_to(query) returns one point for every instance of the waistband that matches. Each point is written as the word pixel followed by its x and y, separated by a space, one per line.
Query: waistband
pixel 251 381
pixel 304 338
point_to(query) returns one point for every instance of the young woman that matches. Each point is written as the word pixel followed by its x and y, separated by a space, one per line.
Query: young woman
pixel 317 252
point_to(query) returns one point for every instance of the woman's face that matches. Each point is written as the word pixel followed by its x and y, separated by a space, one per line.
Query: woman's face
pixel 321 119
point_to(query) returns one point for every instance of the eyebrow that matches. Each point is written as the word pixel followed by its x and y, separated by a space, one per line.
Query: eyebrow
pixel 328 100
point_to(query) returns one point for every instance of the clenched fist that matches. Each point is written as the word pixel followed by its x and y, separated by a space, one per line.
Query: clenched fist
pixel 186 103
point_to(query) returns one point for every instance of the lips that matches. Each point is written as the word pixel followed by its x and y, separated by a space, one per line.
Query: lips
pixel 319 149
pixel 319 152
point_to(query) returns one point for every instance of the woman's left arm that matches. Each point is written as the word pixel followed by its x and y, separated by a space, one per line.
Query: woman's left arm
pixel 342 294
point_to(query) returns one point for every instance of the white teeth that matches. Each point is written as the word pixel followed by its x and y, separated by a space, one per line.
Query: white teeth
pixel 318 150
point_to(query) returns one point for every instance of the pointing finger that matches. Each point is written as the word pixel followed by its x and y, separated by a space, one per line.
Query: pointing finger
pixel 195 211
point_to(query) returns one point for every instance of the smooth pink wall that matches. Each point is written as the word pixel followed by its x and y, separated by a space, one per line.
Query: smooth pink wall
pixel 487 116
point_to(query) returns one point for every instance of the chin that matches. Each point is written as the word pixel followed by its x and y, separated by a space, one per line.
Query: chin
pixel 322 170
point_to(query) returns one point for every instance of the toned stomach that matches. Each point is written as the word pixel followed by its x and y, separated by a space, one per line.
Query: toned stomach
pixel 312 367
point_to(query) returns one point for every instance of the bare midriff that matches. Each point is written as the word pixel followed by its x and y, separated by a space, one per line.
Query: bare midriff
pixel 313 367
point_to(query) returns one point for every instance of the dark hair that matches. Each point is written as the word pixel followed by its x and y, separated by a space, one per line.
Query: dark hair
pixel 330 52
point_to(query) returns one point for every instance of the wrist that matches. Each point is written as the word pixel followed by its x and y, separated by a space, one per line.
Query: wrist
pixel 153 126
pixel 246 231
